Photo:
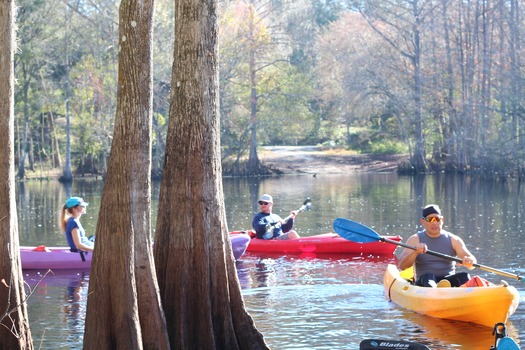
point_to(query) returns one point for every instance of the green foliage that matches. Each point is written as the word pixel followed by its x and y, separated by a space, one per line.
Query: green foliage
pixel 253 64
pixel 284 116
pixel 386 147
pixel 92 113
pixel 320 75
pixel 326 11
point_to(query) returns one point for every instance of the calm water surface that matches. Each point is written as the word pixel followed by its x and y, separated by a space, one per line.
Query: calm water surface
pixel 308 302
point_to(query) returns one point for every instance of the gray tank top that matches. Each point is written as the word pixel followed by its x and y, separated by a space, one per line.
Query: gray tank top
pixel 426 263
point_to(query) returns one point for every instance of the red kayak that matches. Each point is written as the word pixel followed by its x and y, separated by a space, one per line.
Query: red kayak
pixel 327 243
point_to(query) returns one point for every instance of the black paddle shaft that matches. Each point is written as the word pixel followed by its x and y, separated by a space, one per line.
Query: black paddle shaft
pixel 356 232
pixel 454 258
pixel 306 205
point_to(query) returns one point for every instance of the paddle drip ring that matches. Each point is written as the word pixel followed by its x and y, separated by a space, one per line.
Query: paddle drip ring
pixel 500 331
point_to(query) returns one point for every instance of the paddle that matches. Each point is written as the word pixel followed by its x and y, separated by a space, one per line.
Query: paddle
pixel 356 232
pixel 306 205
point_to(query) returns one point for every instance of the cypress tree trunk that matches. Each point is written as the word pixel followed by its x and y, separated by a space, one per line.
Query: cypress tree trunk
pixel 14 327
pixel 124 310
pixel 195 266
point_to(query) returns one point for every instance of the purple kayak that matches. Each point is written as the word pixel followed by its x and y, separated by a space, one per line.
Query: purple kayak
pixel 239 245
pixel 42 257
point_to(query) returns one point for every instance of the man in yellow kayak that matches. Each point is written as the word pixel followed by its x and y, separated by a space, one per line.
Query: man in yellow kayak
pixel 429 270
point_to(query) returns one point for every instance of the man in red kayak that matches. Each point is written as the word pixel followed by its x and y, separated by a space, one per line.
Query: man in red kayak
pixel 268 225
pixel 430 270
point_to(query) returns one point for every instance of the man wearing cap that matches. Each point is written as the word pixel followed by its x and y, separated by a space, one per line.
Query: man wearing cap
pixel 71 226
pixel 430 269
pixel 268 225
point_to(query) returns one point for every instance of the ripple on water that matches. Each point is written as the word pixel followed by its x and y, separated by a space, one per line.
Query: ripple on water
pixel 317 317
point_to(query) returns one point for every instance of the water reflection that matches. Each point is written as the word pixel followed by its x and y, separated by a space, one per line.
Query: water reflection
pixel 297 303
pixel 268 270
pixel 311 302
pixel 75 299
pixel 336 303
pixel 57 303
pixel 446 334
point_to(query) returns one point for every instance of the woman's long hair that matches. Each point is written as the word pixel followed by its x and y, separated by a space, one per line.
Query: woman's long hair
pixel 65 214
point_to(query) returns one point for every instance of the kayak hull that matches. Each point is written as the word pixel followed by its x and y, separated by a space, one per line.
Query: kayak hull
pixel 56 258
pixel 239 245
pixel 53 258
pixel 327 243
pixel 481 305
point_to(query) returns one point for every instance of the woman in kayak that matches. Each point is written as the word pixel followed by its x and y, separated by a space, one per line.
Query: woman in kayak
pixel 432 271
pixel 268 225
pixel 71 226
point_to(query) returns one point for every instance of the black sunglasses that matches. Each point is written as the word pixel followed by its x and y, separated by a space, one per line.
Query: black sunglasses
pixel 263 203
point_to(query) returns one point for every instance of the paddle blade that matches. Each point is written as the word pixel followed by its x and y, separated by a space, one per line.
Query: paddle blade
pixel 354 231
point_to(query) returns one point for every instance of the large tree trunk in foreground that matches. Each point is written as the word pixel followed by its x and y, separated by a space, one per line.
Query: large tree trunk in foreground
pixel 14 324
pixel 195 267
pixel 124 310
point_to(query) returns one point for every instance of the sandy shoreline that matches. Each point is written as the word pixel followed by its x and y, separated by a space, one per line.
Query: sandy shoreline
pixel 313 160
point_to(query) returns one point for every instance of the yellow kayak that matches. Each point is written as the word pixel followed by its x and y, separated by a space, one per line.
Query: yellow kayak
pixel 482 305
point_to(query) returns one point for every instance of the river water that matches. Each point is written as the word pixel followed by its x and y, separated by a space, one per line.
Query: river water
pixel 308 302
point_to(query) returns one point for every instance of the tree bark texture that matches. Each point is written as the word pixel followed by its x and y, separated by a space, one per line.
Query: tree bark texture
pixel 124 310
pixel 14 323
pixel 195 266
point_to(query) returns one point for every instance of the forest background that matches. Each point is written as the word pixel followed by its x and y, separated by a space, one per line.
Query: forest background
pixel 439 80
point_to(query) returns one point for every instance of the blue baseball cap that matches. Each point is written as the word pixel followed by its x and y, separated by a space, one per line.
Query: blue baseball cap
pixel 74 201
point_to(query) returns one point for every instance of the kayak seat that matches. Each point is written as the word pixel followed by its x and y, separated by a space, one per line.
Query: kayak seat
pixel 250 233
pixel 477 281
pixel 408 274
pixel 80 252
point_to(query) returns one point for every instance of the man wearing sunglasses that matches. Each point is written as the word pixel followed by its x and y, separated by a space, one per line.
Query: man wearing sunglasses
pixel 430 270
pixel 268 225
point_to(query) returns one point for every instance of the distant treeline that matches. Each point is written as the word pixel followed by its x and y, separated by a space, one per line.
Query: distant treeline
pixel 440 80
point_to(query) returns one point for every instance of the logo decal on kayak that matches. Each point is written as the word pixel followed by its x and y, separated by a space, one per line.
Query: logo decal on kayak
pixel 386 344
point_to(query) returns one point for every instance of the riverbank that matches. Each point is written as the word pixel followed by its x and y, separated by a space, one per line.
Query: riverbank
pixel 315 160
pixel 297 160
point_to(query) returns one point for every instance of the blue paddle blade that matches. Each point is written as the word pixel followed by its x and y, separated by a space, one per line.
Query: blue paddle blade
pixel 354 231
pixel 507 344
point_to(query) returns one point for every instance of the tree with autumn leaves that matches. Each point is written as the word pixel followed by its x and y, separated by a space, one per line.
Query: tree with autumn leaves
pixel 264 97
